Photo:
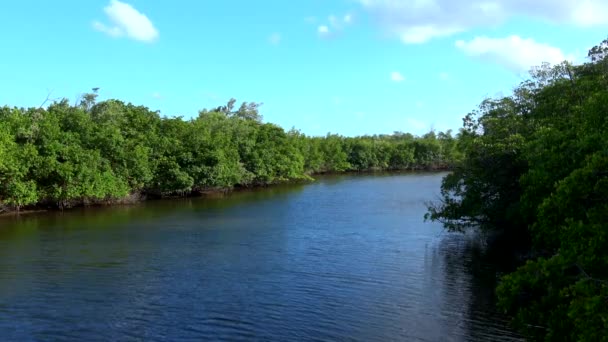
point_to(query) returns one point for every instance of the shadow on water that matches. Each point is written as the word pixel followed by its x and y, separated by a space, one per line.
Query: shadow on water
pixel 116 215
pixel 470 262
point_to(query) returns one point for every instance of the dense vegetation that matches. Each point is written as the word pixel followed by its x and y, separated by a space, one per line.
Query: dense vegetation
pixel 66 155
pixel 535 168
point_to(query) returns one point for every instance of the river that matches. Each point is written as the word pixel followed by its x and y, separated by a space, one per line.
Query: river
pixel 346 258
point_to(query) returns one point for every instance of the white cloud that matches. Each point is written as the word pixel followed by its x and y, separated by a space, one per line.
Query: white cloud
pixel 421 34
pixel 112 31
pixel 335 25
pixel 275 38
pixel 127 21
pixel 515 53
pixel 323 30
pixel 157 95
pixel 444 76
pixel 417 21
pixel 397 77
pixel 590 13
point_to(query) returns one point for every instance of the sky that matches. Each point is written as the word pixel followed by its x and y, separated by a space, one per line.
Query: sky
pixel 350 67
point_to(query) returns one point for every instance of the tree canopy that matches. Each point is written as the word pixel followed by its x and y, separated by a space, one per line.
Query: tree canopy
pixel 535 167
pixel 103 152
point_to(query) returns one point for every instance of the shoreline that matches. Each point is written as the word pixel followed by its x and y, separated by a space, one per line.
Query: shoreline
pixel 136 198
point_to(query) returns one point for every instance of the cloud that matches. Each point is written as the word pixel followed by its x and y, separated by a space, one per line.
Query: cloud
pixel 590 13
pixel 335 24
pixel 157 95
pixel 513 52
pixel 275 38
pixel 323 30
pixel 417 21
pixel 126 21
pixel 444 76
pixel 397 77
pixel 112 31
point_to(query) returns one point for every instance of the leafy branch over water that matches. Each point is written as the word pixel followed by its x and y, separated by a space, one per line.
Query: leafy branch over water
pixel 535 168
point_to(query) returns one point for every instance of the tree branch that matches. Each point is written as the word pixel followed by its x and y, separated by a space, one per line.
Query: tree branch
pixel 48 97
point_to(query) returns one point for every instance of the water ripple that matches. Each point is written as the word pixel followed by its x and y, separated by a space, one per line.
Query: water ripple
pixel 346 259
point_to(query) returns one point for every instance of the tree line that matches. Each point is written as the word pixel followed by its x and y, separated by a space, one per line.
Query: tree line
pixel 535 170
pixel 92 152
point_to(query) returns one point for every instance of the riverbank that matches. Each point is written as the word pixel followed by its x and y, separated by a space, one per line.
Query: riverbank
pixel 142 196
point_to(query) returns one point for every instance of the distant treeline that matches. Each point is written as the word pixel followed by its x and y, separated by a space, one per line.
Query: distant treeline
pixel 87 153
pixel 535 168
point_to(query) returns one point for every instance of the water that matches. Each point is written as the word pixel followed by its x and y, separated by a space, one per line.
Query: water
pixel 344 259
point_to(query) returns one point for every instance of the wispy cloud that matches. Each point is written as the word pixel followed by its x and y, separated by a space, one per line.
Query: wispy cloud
pixel 444 76
pixel 275 38
pixel 157 95
pixel 513 52
pixel 348 18
pixel 125 20
pixel 334 25
pixel 323 30
pixel 397 77
pixel 422 20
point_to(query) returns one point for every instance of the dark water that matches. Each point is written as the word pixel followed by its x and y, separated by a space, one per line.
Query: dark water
pixel 343 259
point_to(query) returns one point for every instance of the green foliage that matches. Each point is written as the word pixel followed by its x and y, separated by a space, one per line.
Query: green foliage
pixel 535 166
pixel 65 155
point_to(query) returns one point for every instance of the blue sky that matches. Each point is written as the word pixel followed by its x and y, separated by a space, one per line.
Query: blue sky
pixel 343 66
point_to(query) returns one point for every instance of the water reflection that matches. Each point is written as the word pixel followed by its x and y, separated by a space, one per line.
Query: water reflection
pixel 345 258
pixel 473 273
